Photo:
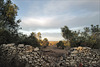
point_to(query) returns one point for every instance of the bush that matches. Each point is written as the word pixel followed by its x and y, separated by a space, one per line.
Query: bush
pixel 60 44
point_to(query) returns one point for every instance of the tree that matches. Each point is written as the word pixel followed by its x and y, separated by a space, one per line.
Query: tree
pixel 66 43
pixel 29 40
pixel 60 44
pixel 45 42
pixel 66 33
pixel 89 37
pixel 1 11
pixel 94 37
pixel 8 13
pixel 39 36
pixel 9 26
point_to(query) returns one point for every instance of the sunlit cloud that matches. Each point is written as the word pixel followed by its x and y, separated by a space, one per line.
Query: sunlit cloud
pixel 48 16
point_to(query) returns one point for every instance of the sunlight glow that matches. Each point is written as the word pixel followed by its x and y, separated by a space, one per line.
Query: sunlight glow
pixel 42 21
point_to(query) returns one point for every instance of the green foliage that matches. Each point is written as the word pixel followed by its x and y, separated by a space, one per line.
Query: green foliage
pixel 4 35
pixel 89 37
pixel 8 16
pixel 60 44
pixel 9 26
pixel 66 33
pixel 29 40
pixel 66 43
pixel 39 36
pixel 45 42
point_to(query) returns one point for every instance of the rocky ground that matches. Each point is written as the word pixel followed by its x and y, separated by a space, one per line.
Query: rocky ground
pixel 28 56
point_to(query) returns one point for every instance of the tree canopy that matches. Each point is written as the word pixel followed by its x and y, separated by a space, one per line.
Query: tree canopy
pixel 9 26
pixel 89 37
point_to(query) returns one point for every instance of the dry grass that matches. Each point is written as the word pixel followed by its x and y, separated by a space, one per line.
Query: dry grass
pixel 53 42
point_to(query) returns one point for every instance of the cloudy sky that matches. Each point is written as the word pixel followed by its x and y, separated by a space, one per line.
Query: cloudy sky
pixel 48 16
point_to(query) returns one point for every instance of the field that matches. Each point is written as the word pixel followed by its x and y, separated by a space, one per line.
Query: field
pixel 53 42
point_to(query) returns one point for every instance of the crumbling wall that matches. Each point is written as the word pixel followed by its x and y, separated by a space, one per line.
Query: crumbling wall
pixel 28 56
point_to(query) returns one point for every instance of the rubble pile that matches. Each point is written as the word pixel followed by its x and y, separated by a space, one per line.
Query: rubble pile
pixel 83 56
pixel 28 56
pixel 24 56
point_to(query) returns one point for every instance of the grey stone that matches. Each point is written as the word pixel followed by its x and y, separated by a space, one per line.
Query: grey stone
pixel 36 49
pixel 21 45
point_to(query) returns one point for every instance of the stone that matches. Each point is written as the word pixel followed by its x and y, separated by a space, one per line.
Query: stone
pixel 30 61
pixel 79 48
pixel 28 48
pixel 23 57
pixel 61 58
pixel 27 65
pixel 21 45
pixel 74 52
pixel 36 49
pixel 33 57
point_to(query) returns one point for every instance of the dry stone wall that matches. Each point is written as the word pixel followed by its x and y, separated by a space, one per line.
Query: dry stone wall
pixel 28 56
pixel 81 56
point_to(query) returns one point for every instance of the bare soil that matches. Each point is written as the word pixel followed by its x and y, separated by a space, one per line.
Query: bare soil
pixel 53 51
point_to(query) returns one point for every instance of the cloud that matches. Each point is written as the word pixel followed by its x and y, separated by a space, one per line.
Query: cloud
pixel 58 22
pixel 42 31
pixel 48 16
pixel 55 7
pixel 52 36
